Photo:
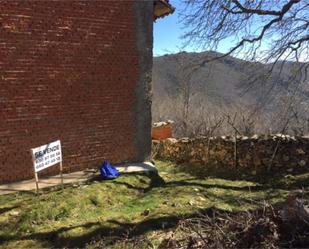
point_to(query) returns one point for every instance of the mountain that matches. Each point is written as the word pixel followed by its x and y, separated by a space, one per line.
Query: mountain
pixel 230 86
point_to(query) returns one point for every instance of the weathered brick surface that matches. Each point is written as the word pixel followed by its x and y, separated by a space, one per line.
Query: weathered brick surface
pixel 68 71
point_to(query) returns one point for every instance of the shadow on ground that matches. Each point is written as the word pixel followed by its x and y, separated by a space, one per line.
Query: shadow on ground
pixel 280 179
pixel 110 231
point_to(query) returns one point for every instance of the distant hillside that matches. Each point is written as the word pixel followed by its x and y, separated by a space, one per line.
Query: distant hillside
pixel 225 87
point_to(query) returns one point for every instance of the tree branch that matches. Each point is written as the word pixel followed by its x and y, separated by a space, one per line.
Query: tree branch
pixel 284 9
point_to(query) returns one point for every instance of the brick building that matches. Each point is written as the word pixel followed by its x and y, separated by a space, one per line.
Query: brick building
pixel 78 71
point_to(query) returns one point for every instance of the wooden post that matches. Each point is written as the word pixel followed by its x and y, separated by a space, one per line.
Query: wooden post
pixel 235 151
pixel 36 182
pixel 61 175
pixel 35 175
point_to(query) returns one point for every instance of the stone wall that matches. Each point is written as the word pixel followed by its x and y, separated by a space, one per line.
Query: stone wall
pixel 256 153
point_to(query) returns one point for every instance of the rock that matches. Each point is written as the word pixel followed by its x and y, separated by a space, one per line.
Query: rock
pixel 146 212
pixel 302 163
pixel 156 142
pixel 191 203
pixel 14 213
pixel 171 140
pixel 255 137
pixel 290 170
pixel 163 123
pixel 300 152
pixel 185 140
pixel 201 198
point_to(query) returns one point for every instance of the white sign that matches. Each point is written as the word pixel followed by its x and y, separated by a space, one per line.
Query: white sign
pixel 46 155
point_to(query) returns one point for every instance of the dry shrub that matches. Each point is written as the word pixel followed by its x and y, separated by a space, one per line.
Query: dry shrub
pixel 283 226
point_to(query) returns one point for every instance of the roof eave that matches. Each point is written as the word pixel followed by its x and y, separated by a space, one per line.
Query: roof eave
pixel 162 8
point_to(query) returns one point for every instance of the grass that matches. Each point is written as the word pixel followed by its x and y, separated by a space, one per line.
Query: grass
pixel 132 205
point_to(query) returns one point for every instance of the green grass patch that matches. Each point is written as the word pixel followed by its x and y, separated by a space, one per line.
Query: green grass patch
pixel 132 205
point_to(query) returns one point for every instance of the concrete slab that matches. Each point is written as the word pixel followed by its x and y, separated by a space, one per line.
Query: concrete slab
pixel 75 177
pixel 136 167
pixel 29 185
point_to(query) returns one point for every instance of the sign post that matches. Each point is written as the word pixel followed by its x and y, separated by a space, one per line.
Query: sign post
pixel 45 156
pixel 36 182
pixel 61 174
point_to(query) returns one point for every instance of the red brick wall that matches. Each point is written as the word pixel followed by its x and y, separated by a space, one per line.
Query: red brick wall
pixel 68 71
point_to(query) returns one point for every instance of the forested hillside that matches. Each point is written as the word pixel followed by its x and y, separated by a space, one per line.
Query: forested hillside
pixel 229 94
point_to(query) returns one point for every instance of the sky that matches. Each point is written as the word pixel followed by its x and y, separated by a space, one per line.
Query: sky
pixel 168 32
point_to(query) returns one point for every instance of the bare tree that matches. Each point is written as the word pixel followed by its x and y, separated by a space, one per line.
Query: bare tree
pixel 285 22
pixel 265 31
pixel 185 90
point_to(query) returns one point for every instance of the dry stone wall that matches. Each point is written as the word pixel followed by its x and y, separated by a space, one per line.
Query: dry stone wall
pixel 256 153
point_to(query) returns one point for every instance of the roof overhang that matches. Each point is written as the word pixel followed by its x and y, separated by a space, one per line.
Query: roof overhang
pixel 162 8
